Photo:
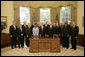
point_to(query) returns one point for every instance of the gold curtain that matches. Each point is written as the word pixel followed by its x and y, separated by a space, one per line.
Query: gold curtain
pixel 53 15
pixel 58 14
pixel 37 12
pixel 17 16
pixel 74 14
pixel 31 14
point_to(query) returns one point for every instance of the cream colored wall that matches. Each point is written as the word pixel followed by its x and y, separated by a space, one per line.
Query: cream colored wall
pixel 7 9
pixel 80 14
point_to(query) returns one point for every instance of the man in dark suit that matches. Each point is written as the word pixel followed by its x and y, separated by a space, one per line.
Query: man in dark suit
pixel 20 37
pixel 13 34
pixel 74 35
pixel 61 33
pixel 66 35
pixel 46 26
pixel 51 30
pixel 42 31
pixel 28 35
pixel 24 28
pixel 38 25
pixel 32 27
pixel 56 30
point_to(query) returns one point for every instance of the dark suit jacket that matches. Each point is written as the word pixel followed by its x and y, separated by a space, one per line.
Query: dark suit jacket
pixel 13 32
pixel 28 32
pixel 74 31
pixel 42 31
pixel 31 28
pixel 61 29
pixel 51 31
pixel 24 29
pixel 66 30
pixel 56 30
pixel 20 32
pixel 46 29
pixel 39 29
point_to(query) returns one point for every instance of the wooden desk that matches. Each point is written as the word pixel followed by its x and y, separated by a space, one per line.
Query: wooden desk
pixel 5 39
pixel 44 45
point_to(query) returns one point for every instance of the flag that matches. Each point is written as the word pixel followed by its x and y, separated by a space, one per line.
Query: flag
pixel 33 17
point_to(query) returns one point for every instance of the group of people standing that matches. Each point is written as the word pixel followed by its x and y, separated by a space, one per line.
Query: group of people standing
pixel 63 30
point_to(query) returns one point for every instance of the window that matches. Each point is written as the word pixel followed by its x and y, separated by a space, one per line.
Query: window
pixel 44 15
pixel 24 15
pixel 65 14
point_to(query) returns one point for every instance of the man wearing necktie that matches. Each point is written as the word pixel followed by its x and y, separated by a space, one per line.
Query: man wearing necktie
pixel 46 26
pixel 24 27
pixel 66 35
pixel 61 28
pixel 42 31
pixel 20 37
pixel 13 34
pixel 51 30
pixel 74 35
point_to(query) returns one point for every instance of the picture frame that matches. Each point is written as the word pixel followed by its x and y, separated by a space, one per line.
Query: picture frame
pixel 4 19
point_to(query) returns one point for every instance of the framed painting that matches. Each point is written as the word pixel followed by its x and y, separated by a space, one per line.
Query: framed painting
pixel 4 20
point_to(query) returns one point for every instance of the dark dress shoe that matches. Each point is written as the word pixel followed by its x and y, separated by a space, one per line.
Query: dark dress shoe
pixel 74 49
pixel 12 48
pixel 66 48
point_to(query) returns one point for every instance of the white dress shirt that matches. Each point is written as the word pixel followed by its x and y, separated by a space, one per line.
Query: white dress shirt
pixel 14 27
